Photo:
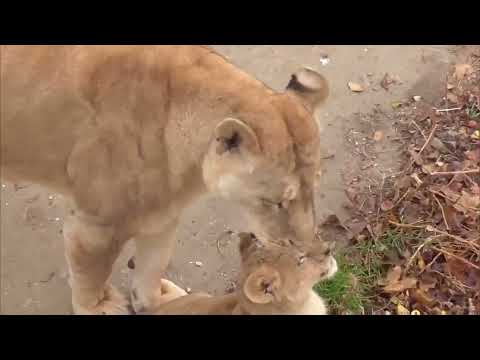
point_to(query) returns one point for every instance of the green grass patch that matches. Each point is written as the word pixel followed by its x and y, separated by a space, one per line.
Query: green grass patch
pixel 354 287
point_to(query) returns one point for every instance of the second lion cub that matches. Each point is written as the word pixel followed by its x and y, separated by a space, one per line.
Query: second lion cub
pixel 276 279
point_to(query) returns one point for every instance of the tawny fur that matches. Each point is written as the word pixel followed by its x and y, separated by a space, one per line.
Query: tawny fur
pixel 276 279
pixel 134 134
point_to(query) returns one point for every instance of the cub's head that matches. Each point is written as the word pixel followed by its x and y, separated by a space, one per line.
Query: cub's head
pixel 266 157
pixel 278 277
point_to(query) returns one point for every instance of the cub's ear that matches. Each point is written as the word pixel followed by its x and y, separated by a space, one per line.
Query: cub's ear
pixel 233 134
pixel 308 85
pixel 262 286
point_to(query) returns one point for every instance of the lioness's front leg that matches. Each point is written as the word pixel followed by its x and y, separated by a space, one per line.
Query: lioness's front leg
pixel 153 253
pixel 91 250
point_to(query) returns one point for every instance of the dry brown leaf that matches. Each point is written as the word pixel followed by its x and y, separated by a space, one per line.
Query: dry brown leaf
pixel 436 143
pixel 469 201
pixel 355 87
pixel 386 205
pixel 461 70
pixel 402 310
pixel 422 297
pixel 429 168
pixel 451 217
pixel 394 284
pixel 472 124
pixel 427 282
pixel 387 81
pixel 401 285
pixel 392 276
pixel 452 98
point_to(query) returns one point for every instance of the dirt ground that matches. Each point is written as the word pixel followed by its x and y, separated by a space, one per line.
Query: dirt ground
pixel 33 269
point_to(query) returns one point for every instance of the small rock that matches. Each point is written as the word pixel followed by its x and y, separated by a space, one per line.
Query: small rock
pixel 397 104
pixel 450 86
pixel 198 263
pixel 355 87
pixel 324 60
pixel 188 290
pixel 378 136
pixel 417 98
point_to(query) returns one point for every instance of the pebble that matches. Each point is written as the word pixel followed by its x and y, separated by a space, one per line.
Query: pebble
pixel 324 60
pixel 198 263
pixel 188 290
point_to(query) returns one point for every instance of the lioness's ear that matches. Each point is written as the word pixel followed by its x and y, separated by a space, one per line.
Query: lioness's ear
pixel 262 286
pixel 311 87
pixel 232 134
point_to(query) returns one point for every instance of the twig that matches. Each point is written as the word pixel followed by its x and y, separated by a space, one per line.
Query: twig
pixel 441 173
pixel 430 263
pixel 327 157
pixel 454 237
pixel 447 110
pixel 419 129
pixel 425 242
pixel 407 225
pixel 465 261
pixel 401 198
pixel 443 212
pixel 429 139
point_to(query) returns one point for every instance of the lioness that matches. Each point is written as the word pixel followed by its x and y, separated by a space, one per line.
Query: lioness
pixel 276 279
pixel 134 134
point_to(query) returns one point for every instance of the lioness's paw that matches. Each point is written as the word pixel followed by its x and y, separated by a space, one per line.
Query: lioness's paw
pixel 151 299
pixel 113 303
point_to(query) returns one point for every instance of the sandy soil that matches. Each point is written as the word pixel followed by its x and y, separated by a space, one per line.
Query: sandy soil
pixel 33 270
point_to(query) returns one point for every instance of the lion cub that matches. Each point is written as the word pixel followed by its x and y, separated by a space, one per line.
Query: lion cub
pixel 276 279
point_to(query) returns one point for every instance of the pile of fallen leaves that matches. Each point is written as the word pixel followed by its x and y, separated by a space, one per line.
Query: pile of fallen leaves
pixel 433 204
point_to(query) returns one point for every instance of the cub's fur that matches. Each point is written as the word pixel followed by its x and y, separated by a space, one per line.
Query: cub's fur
pixel 134 134
pixel 276 279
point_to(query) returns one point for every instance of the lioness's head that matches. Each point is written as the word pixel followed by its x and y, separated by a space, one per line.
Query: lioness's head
pixel 266 157
pixel 279 276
